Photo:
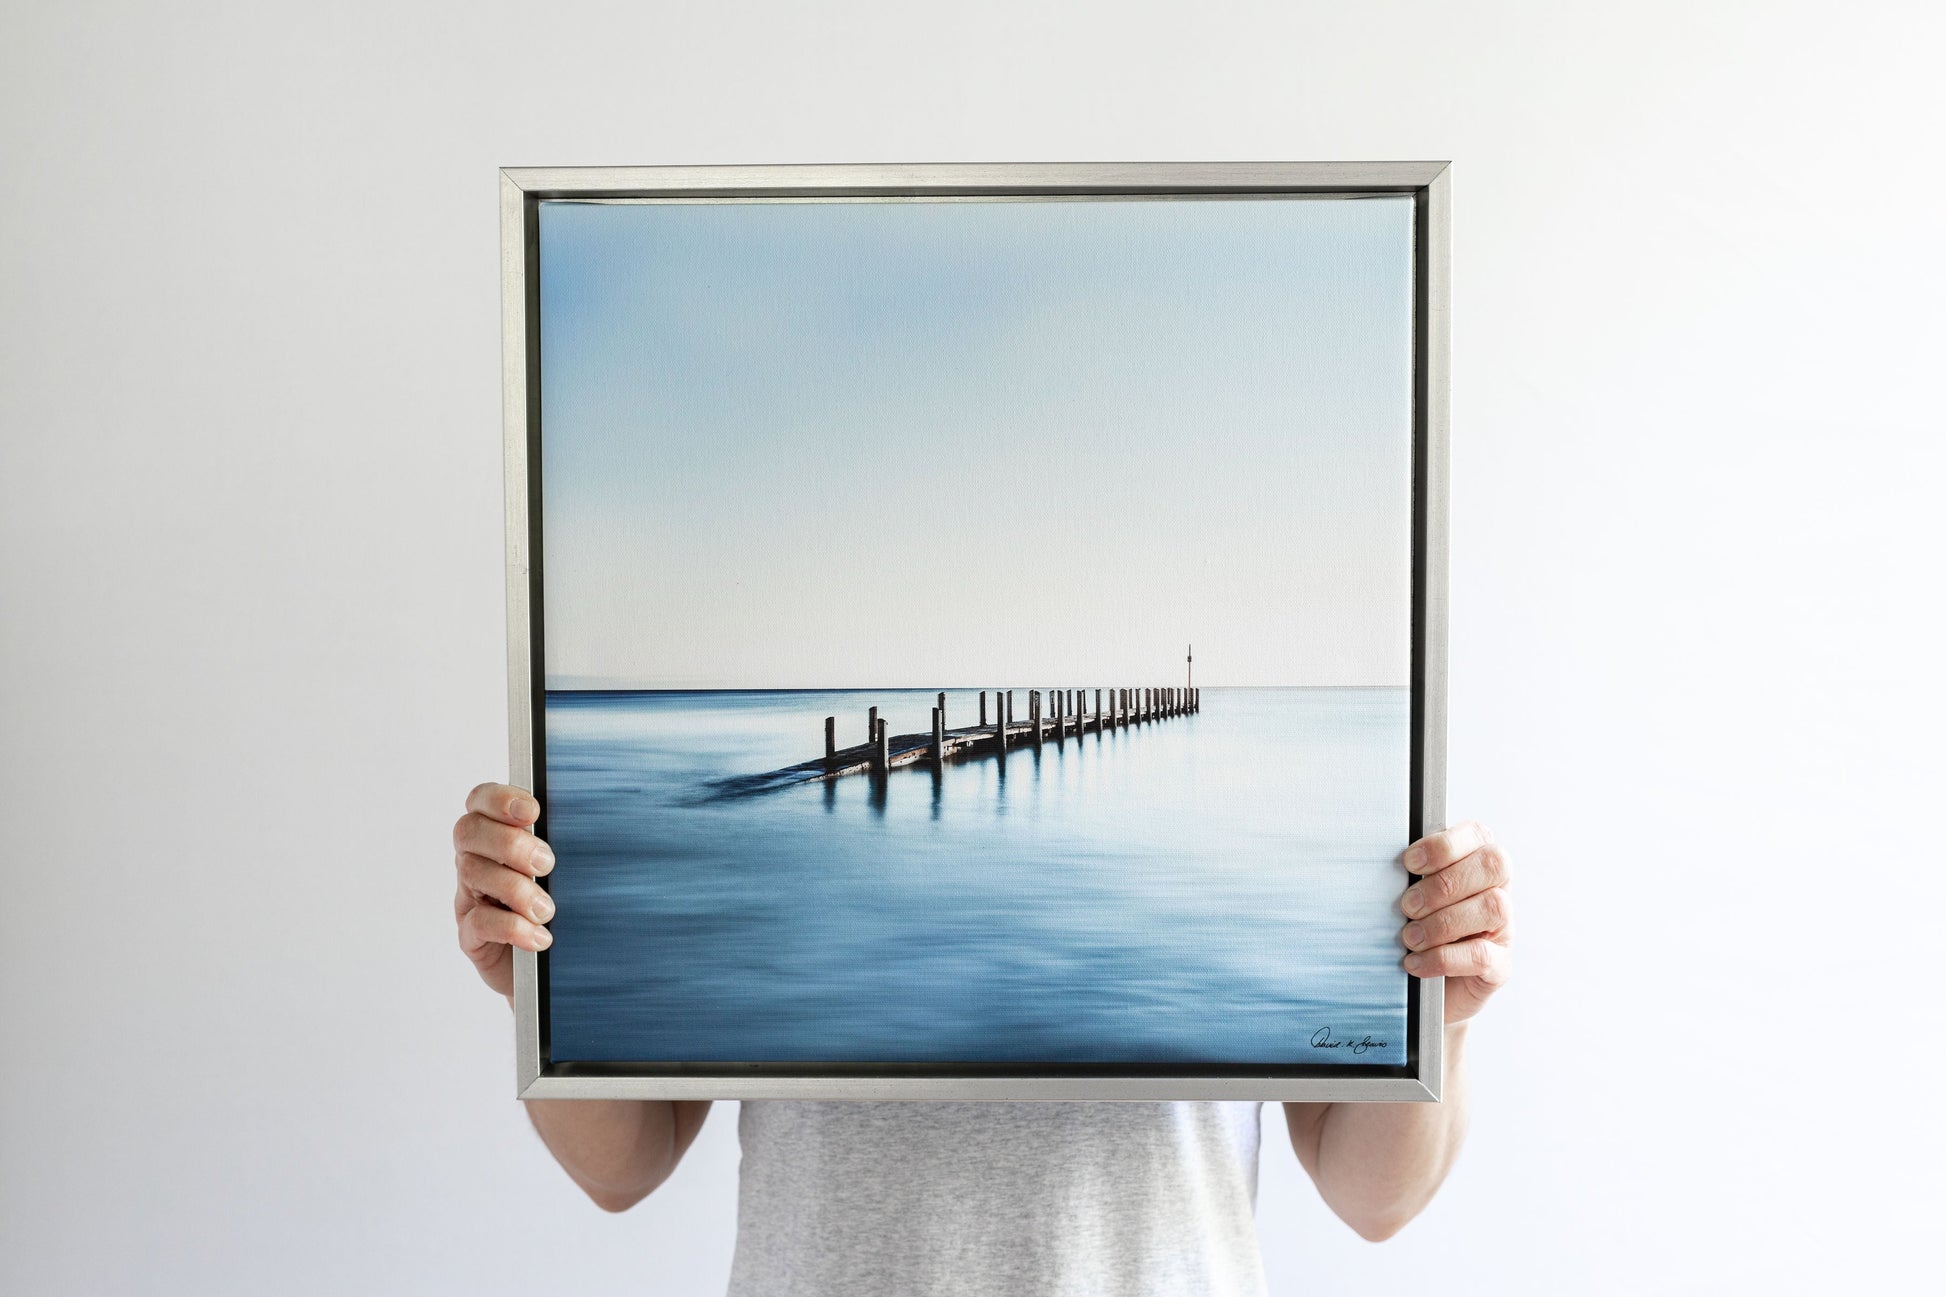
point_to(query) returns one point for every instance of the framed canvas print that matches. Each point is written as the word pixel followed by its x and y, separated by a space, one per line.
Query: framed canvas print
pixel 977 632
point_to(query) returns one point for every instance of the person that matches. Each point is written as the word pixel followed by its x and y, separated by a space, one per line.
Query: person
pixel 970 1199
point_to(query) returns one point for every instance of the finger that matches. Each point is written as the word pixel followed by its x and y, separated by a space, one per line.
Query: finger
pixel 1487 867
pixel 510 887
pixel 515 848
pixel 489 925
pixel 1481 957
pixel 505 803
pixel 1435 851
pixel 1489 912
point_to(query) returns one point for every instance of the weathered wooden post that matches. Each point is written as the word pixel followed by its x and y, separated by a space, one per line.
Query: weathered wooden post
pixel 830 738
pixel 1034 713
pixel 942 706
pixel 881 746
pixel 983 708
pixel 939 734
pixel 1080 712
pixel 871 726
pixel 1097 711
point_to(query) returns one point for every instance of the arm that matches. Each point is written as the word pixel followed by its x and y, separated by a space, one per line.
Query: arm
pixel 618 1150
pixel 1377 1165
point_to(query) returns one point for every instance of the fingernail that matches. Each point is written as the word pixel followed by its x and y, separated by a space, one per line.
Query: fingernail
pixel 542 938
pixel 1412 901
pixel 1413 963
pixel 1415 933
pixel 543 860
pixel 542 910
pixel 1415 858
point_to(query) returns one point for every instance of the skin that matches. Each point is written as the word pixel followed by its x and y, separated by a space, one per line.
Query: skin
pixel 1376 1165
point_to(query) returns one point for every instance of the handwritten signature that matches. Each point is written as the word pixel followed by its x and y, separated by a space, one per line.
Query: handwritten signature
pixel 1321 1039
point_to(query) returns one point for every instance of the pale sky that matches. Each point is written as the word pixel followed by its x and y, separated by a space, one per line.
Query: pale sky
pixel 970 444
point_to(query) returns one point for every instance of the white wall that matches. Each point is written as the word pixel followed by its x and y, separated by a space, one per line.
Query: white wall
pixel 251 647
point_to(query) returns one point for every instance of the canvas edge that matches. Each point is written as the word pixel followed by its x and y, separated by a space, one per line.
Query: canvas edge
pixel 732 1087
pixel 895 178
pixel 1429 180
pixel 520 677
pixel 1437 209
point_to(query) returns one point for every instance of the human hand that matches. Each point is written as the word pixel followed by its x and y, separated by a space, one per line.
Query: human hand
pixel 1461 926
pixel 499 905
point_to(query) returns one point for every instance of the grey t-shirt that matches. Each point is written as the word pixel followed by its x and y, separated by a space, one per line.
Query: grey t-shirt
pixel 984 1199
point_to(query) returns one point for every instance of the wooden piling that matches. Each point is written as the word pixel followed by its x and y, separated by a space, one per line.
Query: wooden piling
pixel 983 707
pixel 1034 713
pixel 881 746
pixel 942 706
pixel 831 738
pixel 939 734
pixel 871 726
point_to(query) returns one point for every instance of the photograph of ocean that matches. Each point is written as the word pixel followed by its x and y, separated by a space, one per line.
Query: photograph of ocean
pixel 804 460
pixel 1218 886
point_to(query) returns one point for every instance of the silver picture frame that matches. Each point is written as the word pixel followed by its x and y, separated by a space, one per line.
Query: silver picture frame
pixel 522 189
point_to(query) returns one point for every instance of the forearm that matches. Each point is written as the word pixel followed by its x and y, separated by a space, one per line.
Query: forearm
pixel 618 1150
pixel 1378 1164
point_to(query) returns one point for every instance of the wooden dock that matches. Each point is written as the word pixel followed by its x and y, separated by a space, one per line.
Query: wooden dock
pixel 1053 716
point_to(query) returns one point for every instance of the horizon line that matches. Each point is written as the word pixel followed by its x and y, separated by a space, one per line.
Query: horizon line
pixel 917 689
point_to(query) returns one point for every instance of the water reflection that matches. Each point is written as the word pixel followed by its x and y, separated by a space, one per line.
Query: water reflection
pixel 1214 886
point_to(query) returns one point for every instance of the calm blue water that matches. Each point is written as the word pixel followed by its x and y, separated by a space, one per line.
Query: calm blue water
pixel 1216 887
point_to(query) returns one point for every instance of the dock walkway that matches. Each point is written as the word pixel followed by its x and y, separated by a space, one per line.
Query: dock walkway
pixel 1060 715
